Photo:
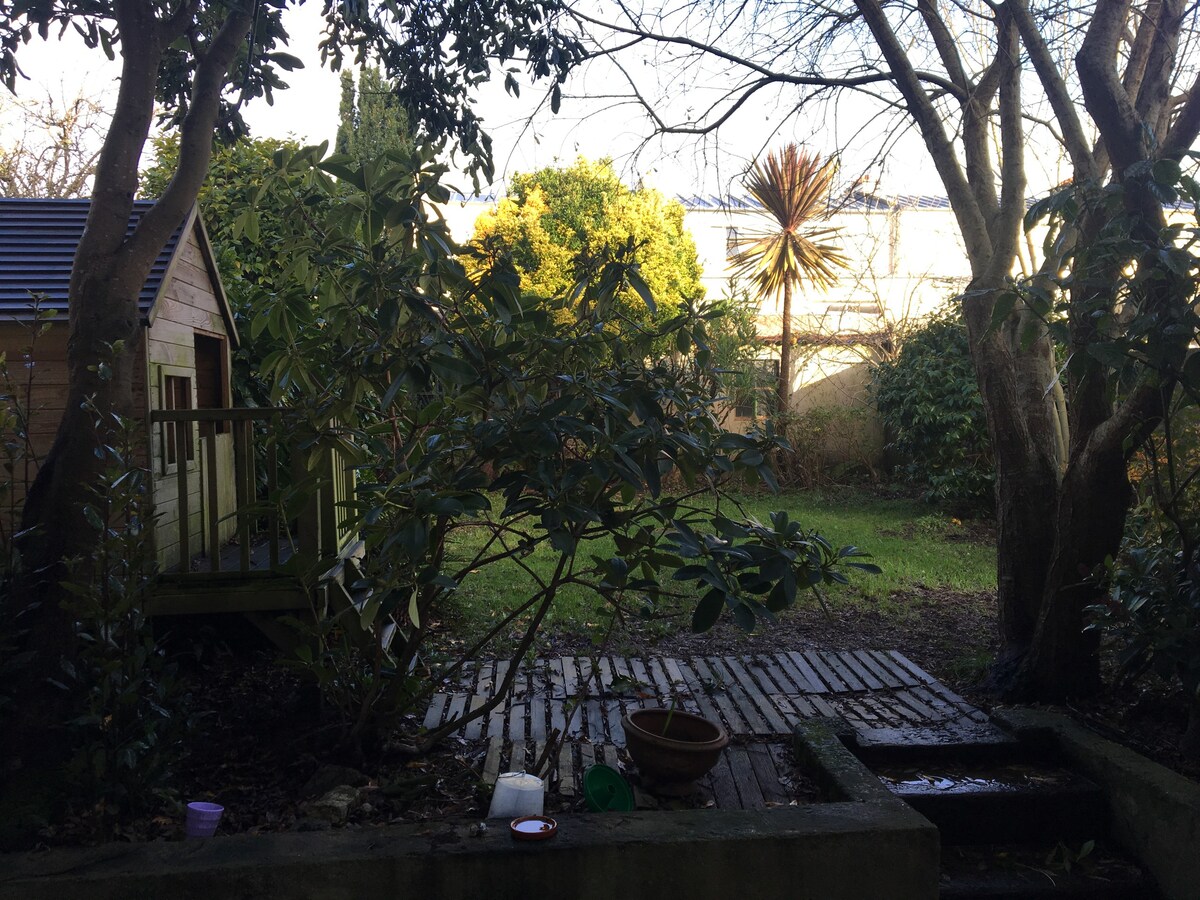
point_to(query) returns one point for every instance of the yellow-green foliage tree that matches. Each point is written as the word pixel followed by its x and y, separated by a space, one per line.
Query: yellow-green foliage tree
pixel 560 226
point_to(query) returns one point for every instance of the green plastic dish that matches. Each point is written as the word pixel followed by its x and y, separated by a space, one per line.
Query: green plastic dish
pixel 605 790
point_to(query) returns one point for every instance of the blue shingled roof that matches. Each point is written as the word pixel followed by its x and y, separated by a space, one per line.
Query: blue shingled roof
pixel 37 247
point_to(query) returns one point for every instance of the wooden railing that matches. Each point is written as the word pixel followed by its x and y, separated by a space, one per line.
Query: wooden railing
pixel 264 537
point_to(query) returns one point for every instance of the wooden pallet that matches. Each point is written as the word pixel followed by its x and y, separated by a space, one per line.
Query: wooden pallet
pixel 760 698
pixel 752 775
pixel 755 696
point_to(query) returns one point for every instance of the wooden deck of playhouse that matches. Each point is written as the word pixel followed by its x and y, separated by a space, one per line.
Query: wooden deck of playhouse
pixel 759 697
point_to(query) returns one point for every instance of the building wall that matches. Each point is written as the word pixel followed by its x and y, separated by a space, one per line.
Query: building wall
pixel 904 264
pixel 39 386
pixel 186 306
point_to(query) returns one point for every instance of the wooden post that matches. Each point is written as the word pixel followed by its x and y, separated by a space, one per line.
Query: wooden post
pixel 183 435
pixel 240 442
pixel 273 492
pixel 212 514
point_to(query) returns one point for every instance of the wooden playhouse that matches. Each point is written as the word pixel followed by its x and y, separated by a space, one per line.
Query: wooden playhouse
pixel 216 547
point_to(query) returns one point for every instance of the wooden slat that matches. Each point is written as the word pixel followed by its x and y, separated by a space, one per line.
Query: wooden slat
pixel 871 682
pixel 641 675
pixel 700 697
pixel 595 720
pixel 570 676
pixel 827 674
pixel 744 779
pixel 243 474
pixel 587 685
pixel 606 755
pixel 183 437
pixel 882 674
pixel 273 535
pixel 939 701
pixel 516 757
pixel 587 757
pixel 497 716
pixel 801 672
pixel 680 688
pixel 606 672
pixel 517 707
pixel 753 689
pixel 566 769
pixel 491 763
pixel 905 713
pixel 474 729
pixel 557 691
pixel 907 698
pixel 917 672
pixel 766 775
pixel 745 708
pixel 720 696
pixel 458 704
pixel 485 683
pixel 896 671
pixel 661 681
pixel 781 759
pixel 775 672
pixel 437 706
pixel 613 713
pixel 841 670
pixel 537 712
pixel 723 787
pixel 212 513
pixel 878 712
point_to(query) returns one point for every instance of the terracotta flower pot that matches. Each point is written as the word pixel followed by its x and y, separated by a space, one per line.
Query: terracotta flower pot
pixel 675 751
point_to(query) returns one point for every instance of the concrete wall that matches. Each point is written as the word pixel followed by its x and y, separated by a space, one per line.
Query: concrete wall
pixel 835 851
pixel 867 845
pixel 1154 813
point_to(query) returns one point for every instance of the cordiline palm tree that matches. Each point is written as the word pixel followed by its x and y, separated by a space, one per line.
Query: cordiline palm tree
pixel 793 188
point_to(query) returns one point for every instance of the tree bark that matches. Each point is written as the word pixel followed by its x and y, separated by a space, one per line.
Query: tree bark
pixel 784 386
pixel 108 273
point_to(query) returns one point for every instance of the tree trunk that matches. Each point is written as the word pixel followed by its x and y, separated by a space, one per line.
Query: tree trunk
pixel 55 529
pixel 1024 428
pixel 784 387
pixel 109 270
pixel 1093 501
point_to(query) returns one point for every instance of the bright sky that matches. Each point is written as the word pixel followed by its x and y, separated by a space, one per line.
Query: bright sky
pixel 524 136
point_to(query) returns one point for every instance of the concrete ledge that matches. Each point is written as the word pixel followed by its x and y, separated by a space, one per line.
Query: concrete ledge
pixel 868 847
pixel 823 852
pixel 1154 812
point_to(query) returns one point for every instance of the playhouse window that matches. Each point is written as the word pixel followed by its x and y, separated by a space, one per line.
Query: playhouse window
pixel 177 394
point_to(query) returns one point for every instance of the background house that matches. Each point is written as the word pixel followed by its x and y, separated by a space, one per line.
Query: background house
pixel 907 259
pixel 182 359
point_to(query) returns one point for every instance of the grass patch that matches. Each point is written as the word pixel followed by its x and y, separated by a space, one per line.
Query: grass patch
pixel 909 541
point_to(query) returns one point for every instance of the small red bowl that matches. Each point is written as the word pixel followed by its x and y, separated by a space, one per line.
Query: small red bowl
pixel 533 828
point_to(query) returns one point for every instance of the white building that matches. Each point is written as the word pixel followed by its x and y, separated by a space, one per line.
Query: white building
pixel 907 259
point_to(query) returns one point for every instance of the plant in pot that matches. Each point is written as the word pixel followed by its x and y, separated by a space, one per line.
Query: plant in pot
pixel 755 571
pixel 670 746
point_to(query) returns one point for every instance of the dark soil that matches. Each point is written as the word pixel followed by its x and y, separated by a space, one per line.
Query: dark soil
pixel 260 735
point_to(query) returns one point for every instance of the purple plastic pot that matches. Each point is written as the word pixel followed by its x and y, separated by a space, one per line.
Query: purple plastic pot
pixel 202 819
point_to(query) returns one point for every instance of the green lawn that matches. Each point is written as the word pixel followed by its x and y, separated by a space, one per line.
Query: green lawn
pixel 910 541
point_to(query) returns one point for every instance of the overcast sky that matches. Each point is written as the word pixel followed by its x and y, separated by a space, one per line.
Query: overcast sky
pixel 525 138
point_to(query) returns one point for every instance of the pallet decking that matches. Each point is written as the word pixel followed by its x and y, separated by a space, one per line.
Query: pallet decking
pixel 759 698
